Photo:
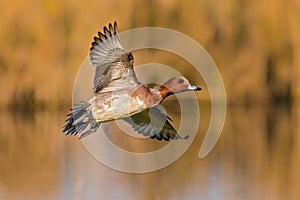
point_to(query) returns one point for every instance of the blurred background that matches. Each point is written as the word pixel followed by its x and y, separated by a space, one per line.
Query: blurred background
pixel 256 48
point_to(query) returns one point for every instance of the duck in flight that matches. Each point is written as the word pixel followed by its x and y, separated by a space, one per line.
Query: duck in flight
pixel 119 95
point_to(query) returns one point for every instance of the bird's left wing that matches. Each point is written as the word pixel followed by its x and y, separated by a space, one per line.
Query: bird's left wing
pixel 110 59
pixel 153 123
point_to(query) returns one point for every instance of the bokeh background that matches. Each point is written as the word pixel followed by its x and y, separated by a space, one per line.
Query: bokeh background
pixel 256 47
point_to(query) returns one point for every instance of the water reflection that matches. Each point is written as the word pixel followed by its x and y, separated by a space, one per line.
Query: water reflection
pixel 30 155
pixel 257 157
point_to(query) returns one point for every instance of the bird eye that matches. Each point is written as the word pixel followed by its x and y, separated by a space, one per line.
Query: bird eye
pixel 180 81
pixel 130 56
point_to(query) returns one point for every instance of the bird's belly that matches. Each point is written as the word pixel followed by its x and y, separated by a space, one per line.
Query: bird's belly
pixel 117 107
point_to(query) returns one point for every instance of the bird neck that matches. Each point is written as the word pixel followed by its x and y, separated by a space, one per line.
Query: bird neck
pixel 165 91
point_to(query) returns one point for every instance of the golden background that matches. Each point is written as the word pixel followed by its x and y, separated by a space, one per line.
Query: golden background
pixel 256 47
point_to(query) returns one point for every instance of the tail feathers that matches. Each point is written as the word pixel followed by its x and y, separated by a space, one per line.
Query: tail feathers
pixel 79 119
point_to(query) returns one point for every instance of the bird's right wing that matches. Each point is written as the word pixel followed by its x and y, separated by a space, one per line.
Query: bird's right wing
pixel 153 123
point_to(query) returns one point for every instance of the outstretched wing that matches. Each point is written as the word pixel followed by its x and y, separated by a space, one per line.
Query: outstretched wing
pixel 155 124
pixel 110 59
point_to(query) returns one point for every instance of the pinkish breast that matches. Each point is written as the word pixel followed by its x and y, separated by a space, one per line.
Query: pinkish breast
pixel 149 96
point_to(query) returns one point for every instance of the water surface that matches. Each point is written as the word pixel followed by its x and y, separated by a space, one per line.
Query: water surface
pixel 257 157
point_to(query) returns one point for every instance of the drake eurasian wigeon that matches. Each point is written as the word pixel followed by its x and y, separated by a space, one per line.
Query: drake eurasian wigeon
pixel 119 95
